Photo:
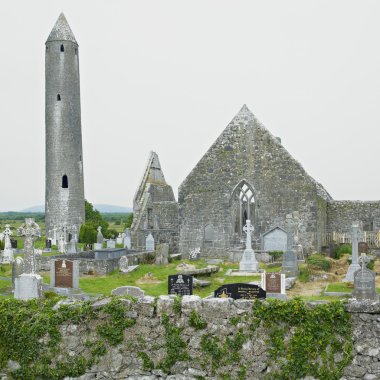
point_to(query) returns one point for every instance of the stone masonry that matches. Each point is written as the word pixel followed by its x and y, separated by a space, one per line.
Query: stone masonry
pixel 247 156
pixel 155 209
pixel 64 197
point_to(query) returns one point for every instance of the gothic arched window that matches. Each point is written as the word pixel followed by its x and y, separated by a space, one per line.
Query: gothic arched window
pixel 62 48
pixel 243 205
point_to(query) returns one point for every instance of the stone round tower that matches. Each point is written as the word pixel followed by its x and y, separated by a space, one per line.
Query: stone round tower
pixel 64 196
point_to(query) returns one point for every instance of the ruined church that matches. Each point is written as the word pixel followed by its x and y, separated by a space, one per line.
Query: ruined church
pixel 246 174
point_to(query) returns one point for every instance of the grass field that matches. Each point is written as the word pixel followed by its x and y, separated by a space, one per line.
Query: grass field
pixel 342 287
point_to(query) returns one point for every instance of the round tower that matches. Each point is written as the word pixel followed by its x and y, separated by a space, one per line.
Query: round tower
pixel 64 192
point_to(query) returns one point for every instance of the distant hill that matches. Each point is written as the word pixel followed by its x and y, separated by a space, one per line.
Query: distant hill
pixel 100 207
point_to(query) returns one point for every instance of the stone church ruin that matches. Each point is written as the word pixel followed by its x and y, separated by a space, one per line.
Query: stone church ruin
pixel 245 175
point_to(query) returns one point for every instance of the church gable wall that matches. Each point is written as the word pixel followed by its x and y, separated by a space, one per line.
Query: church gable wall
pixel 245 150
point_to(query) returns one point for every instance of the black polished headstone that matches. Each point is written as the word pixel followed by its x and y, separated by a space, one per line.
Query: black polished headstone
pixel 48 244
pixel 14 243
pixel 240 290
pixel 180 284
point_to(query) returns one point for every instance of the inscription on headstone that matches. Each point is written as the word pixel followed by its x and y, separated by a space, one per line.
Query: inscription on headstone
pixel 63 273
pixel 273 282
pixel 180 284
pixel 240 290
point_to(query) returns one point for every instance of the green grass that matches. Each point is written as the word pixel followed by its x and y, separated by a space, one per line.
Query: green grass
pixel 104 284
pixel 342 287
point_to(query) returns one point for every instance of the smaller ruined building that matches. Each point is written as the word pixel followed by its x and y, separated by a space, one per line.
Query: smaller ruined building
pixel 155 208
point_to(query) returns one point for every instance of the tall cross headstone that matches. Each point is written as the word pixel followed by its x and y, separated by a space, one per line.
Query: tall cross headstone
pixel 248 261
pixel 28 285
pixel 30 231
pixel 354 266
pixel 7 255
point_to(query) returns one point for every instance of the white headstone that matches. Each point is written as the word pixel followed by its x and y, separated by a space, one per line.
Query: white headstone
pixel 149 243
pixel 7 254
pixel 248 262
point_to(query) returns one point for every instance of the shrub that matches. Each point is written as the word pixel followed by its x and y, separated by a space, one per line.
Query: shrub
pixel 276 254
pixel 318 261
pixel 341 250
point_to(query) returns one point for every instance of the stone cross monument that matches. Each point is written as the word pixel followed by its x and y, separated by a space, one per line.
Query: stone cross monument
pixel 28 285
pixel 248 262
pixel 7 255
pixel 354 266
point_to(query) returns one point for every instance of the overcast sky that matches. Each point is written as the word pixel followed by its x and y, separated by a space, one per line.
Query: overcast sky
pixel 169 76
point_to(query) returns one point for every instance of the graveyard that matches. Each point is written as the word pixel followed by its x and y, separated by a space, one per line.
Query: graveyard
pixel 253 271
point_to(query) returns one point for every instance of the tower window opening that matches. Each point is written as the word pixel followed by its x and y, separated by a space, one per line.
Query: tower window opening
pixel 65 182
pixel 47 48
pixel 76 51
pixel 80 158
pixel 58 98
pixel 62 48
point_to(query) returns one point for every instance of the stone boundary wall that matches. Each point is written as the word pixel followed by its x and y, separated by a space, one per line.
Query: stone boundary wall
pixel 341 214
pixel 147 340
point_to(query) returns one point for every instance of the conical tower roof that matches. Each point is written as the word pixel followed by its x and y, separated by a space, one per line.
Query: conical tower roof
pixel 61 31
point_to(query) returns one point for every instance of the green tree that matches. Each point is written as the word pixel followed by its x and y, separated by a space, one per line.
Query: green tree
pixel 129 221
pixel 87 234
pixel 94 218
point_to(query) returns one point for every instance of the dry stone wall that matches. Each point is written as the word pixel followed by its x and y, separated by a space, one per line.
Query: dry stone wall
pixel 205 339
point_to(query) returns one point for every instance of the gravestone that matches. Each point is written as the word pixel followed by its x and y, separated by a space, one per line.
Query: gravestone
pixel 54 238
pixel 354 266
pixel 274 240
pixel 180 284
pixel 133 291
pixel 64 274
pixel 119 239
pixel 240 290
pixel 14 243
pixel 61 244
pixel 111 243
pixel 364 282
pixel 289 264
pixel 331 250
pixel 127 239
pixel 363 247
pixel 17 269
pixel 149 243
pixel 88 247
pixel 248 261
pixel 29 284
pixel 99 237
pixel 7 254
pixel 274 284
pixel 195 254
pixel 162 254
pixel 48 244
pixel 123 264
